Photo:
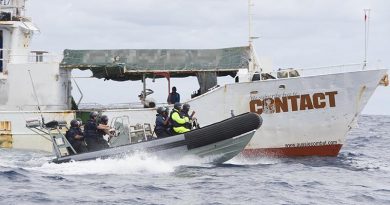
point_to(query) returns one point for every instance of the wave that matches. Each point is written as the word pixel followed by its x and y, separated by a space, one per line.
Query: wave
pixel 14 175
pixel 138 163
pixel 241 160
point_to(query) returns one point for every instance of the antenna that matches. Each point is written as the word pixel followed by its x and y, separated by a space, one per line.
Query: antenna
pixel 36 97
pixel 366 32
pixel 253 56
pixel 250 16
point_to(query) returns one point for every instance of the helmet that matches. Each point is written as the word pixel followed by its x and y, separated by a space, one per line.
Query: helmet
pixel 166 109
pixel 177 106
pixel 186 107
pixel 160 110
pixel 93 114
pixel 74 123
pixel 104 119
pixel 79 121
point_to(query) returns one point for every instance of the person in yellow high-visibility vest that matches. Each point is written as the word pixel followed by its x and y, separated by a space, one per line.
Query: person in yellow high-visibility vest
pixel 178 121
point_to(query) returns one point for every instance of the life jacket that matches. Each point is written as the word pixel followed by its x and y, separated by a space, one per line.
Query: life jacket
pixel 67 135
pixel 160 126
pixel 100 134
pixel 173 122
pixel 186 115
pixel 72 132
pixel 89 131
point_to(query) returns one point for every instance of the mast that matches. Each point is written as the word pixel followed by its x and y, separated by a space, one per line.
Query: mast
pixel 366 32
pixel 250 5
pixel 252 62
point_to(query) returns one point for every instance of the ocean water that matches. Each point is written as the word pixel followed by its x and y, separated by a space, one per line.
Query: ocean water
pixel 359 175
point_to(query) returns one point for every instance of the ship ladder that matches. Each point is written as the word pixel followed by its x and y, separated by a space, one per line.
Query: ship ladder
pixel 61 145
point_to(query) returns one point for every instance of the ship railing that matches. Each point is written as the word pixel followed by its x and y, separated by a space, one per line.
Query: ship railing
pixel 326 70
pixel 44 58
pixel 8 57
pixel 112 106
pixel 90 106
pixel 12 7
pixel 46 107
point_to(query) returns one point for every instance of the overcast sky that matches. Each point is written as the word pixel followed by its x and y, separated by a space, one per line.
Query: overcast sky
pixel 293 33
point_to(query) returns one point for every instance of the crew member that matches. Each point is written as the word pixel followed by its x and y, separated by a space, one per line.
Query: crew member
pixel 104 128
pixel 75 137
pixel 184 112
pixel 177 120
pixel 93 133
pixel 162 128
pixel 173 97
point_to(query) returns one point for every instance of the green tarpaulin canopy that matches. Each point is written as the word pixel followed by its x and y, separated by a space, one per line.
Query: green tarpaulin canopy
pixel 132 64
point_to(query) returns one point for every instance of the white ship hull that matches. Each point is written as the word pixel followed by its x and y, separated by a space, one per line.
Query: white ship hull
pixel 306 116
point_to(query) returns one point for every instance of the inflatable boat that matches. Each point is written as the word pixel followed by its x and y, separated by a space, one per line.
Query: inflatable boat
pixel 217 142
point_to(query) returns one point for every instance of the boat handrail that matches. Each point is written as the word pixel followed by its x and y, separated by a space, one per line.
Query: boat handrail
pixel 98 106
pixel 130 105
pixel 43 107
pixel 33 57
pixel 324 70
pixel 333 69
pixel 7 6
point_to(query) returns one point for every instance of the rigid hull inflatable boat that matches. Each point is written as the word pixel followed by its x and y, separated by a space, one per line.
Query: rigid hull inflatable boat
pixel 217 142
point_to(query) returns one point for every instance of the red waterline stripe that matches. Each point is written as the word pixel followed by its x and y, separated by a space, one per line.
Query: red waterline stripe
pixel 324 150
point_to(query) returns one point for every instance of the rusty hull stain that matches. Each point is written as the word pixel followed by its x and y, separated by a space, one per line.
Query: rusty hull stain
pixel 5 134
pixel 361 92
pixel 384 80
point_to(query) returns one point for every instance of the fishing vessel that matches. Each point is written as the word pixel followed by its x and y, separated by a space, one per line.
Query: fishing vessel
pixel 305 111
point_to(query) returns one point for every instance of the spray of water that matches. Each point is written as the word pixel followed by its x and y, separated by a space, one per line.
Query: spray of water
pixel 138 163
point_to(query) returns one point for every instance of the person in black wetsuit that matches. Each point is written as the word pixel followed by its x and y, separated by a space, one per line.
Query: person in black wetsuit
pixel 104 128
pixel 184 112
pixel 94 133
pixel 162 128
pixel 76 138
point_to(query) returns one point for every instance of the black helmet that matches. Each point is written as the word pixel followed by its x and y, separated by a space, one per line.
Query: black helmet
pixel 177 106
pixel 104 119
pixel 160 110
pixel 186 107
pixel 74 123
pixel 166 109
pixel 93 114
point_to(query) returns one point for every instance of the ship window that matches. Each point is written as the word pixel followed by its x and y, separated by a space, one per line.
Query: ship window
pixel 5 16
pixel 256 76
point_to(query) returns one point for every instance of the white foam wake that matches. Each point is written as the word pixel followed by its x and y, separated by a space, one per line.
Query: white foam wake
pixel 241 160
pixel 139 163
